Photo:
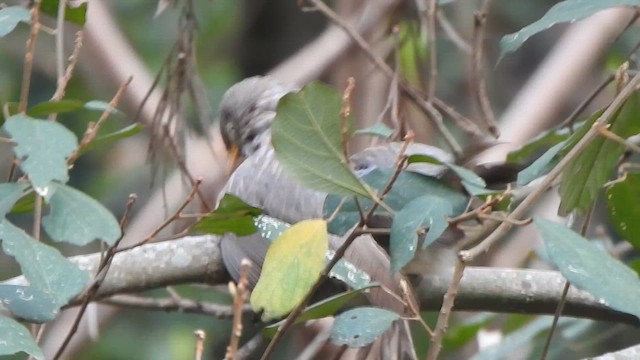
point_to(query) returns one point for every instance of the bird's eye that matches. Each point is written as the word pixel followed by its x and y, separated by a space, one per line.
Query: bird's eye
pixel 251 136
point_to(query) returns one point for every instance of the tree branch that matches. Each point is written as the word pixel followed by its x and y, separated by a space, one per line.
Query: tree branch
pixel 197 259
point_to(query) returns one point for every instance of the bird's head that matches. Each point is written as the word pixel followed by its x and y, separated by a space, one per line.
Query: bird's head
pixel 246 113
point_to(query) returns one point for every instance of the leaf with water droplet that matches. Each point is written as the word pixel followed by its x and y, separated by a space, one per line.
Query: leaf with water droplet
pixel 623 198
pixel 362 326
pixel 29 303
pixel 425 212
pixel 45 267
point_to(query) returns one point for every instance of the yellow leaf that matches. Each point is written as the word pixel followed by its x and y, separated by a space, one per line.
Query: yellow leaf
pixel 291 267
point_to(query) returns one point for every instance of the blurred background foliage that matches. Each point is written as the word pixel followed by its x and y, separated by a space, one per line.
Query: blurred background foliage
pixel 236 39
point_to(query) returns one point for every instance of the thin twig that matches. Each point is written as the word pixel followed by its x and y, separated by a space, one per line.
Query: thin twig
pixel 556 318
pixel 570 120
pixel 432 9
pixel 240 294
pixel 445 311
pixel 345 112
pixel 93 128
pixel 62 6
pixel 200 336
pixel 617 138
pixel 171 303
pixel 28 56
pixel 37 217
pixel 479 82
pixel 63 79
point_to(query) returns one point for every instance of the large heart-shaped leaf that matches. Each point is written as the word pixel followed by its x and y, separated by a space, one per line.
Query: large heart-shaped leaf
pixel 308 136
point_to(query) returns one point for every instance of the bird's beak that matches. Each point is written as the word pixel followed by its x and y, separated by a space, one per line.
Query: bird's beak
pixel 234 158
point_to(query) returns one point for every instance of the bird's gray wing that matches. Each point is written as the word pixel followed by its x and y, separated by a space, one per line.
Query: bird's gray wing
pixel 260 181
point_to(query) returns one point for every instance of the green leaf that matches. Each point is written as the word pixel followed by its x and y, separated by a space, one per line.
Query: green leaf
pixel 42 148
pixel 324 308
pixel 232 216
pixel 107 139
pixel 11 16
pixel 588 172
pixel 55 107
pixel 9 194
pixel 362 326
pixel 564 11
pixel 425 212
pixel 26 204
pixel 307 138
pixel 378 129
pixel 78 219
pixel 541 166
pixel 76 15
pixel 43 266
pixel 291 267
pixel 15 338
pixel 537 146
pixel 623 198
pixel 589 268
pixel 29 303
pixel 473 183
pixel 407 187
pixel 412 52
pixel 421 158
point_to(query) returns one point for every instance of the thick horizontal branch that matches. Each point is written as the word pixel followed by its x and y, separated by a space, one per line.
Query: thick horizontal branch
pixel 197 259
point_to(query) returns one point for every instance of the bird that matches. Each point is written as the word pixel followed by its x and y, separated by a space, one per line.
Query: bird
pixel 246 113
